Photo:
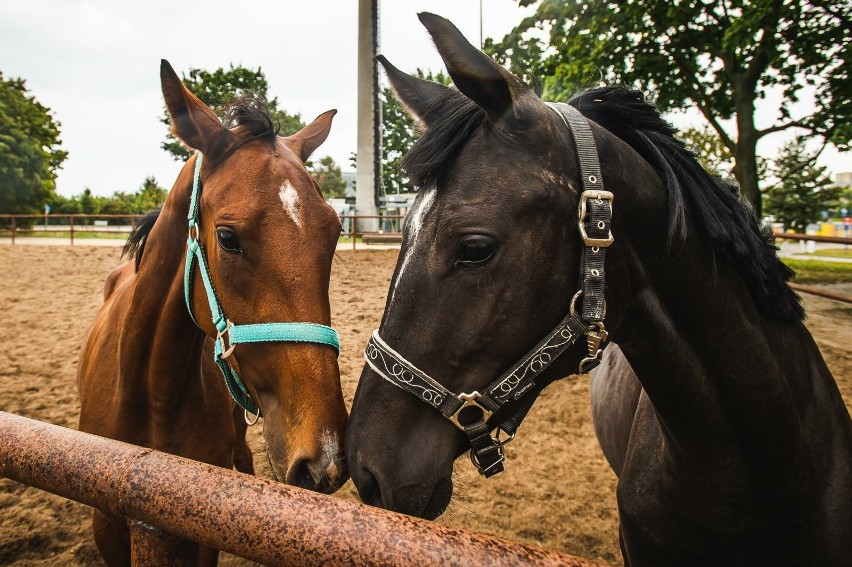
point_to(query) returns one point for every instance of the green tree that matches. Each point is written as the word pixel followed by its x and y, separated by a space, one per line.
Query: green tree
pixel 30 150
pixel 150 196
pixel 803 190
pixel 328 176
pixel 399 132
pixel 713 155
pixel 223 86
pixel 721 56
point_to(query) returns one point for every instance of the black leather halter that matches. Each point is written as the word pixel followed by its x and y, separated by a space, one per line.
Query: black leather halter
pixel 470 412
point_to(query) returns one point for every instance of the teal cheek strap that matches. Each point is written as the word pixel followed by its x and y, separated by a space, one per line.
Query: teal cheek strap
pixel 228 334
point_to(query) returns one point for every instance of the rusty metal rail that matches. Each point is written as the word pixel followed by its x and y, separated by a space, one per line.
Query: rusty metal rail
pixel 261 520
pixel 822 292
pixel 813 238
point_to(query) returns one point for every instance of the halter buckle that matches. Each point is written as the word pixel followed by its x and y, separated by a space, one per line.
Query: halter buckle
pixel 226 346
pixel 193 227
pixel 469 400
pixel 600 197
pixel 501 456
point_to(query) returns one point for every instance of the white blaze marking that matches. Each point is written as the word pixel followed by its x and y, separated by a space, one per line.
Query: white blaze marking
pixel 413 224
pixel 330 448
pixel 290 200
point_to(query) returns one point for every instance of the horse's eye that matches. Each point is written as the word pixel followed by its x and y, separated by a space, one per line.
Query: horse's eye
pixel 228 240
pixel 476 250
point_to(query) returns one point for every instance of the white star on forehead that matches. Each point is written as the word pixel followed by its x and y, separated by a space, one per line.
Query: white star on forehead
pixel 290 199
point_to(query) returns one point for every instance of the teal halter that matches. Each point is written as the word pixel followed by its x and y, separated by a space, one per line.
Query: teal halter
pixel 228 334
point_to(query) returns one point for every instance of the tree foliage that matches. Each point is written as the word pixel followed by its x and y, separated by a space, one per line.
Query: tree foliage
pixel 803 190
pixel 30 150
pixel 219 88
pixel 721 56
pixel 149 196
pixel 713 155
pixel 399 132
pixel 328 176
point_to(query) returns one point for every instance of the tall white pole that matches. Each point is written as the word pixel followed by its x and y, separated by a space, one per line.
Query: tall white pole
pixel 368 163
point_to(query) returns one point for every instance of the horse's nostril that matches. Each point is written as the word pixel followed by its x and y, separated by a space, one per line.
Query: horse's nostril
pixel 320 475
pixel 369 489
pixel 299 474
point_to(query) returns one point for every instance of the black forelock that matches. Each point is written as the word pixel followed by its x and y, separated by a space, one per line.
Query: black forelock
pixel 247 118
pixel 452 118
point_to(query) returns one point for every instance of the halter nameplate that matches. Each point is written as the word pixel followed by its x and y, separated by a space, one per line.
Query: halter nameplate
pixel 594 219
pixel 230 335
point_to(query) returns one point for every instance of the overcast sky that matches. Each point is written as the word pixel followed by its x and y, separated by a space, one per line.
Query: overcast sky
pixel 95 63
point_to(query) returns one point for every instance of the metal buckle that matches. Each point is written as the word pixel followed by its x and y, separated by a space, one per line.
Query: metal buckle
pixel 469 400
pixel 498 446
pixel 475 460
pixel 599 196
pixel 194 226
pixel 220 336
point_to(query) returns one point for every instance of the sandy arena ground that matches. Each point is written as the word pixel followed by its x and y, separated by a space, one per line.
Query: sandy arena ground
pixel 48 296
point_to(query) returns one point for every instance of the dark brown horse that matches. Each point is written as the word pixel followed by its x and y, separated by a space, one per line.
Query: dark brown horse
pixel 146 373
pixel 738 450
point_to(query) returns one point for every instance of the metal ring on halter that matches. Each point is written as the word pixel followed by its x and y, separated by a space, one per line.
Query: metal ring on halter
pixel 246 417
pixel 197 233
pixel 502 442
pixel 572 308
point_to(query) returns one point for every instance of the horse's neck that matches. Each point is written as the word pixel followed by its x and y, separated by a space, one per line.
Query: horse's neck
pixel 721 376
pixel 164 341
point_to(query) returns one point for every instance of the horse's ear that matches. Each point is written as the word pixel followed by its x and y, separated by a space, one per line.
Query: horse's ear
pixel 417 95
pixel 192 121
pixel 309 138
pixel 475 74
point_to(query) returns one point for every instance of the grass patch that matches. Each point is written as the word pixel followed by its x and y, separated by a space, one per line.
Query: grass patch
pixel 816 271
pixel 845 252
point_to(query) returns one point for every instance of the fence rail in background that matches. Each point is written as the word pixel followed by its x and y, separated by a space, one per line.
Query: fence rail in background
pixel 813 238
pixel 77 224
pixel 261 520
pixel 353 232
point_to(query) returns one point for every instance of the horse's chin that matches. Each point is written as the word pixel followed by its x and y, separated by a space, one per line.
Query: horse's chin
pixel 442 493
pixel 424 502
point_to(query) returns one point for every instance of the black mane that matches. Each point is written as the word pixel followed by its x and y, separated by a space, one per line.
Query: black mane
pixel 712 204
pixel 727 220
pixel 135 245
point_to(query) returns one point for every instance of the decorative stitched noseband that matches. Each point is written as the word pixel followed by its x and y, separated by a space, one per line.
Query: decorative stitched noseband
pixel 230 335
pixel 470 412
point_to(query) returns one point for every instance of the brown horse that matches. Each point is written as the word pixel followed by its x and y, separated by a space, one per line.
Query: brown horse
pixel 146 373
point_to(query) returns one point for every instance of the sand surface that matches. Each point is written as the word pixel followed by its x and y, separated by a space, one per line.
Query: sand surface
pixel 48 296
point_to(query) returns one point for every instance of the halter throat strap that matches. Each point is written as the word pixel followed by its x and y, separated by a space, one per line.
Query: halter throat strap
pixel 229 335
pixel 471 412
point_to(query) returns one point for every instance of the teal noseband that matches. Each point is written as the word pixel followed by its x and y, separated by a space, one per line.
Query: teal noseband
pixel 228 334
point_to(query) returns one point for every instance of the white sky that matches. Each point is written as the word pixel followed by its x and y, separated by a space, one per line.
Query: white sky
pixel 95 63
